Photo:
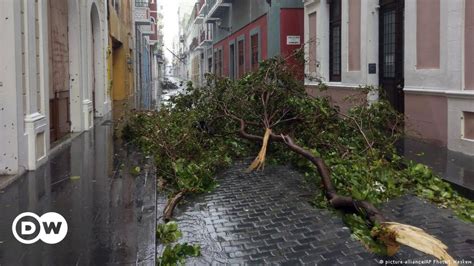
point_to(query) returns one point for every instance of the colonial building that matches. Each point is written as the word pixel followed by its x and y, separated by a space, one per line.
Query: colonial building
pixel 149 54
pixel 417 51
pixel 230 38
pixel 53 76
pixel 120 53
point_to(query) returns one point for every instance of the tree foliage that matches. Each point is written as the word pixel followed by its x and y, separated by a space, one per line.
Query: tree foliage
pixel 196 136
pixel 176 254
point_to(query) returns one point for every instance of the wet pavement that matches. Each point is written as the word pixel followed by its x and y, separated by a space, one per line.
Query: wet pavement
pixel 110 211
pixel 455 167
pixel 265 218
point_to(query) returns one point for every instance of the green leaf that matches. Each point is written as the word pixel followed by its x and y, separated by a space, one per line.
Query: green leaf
pixel 135 170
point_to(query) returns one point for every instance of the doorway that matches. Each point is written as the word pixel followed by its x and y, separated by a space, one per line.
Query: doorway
pixel 241 62
pixel 59 109
pixel 232 61
pixel 391 51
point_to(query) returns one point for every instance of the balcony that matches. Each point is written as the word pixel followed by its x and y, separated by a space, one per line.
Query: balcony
pixel 198 12
pixel 205 35
pixel 141 3
pixel 142 16
pixel 142 12
pixel 147 29
pixel 194 44
pixel 215 9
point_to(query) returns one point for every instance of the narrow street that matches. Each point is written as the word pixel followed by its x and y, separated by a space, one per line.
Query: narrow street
pixel 110 211
pixel 180 87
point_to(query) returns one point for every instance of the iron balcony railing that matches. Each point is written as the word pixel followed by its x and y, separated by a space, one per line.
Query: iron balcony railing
pixel 205 34
pixel 212 3
pixel 141 3
pixel 212 7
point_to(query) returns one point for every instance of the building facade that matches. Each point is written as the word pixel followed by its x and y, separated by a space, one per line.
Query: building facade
pixel 417 51
pixel 230 38
pixel 120 54
pixel 53 76
pixel 149 54
pixel 156 41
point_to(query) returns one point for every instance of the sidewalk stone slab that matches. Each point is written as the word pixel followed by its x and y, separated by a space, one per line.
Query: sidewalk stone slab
pixel 264 218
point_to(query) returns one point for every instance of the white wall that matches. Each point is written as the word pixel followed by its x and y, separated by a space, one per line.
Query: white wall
pixel 10 96
pixel 369 42
pixel 449 75
pixel 447 81
pixel 24 78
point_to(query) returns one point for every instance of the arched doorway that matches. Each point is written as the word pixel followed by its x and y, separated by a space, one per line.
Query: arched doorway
pixel 96 66
pixel 59 91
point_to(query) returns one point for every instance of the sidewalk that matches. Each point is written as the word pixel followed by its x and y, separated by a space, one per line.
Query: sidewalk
pixel 455 167
pixel 110 212
pixel 263 218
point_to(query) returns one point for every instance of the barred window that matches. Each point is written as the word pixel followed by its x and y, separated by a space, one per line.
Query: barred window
pixel 335 41
pixel 254 44
pixel 241 58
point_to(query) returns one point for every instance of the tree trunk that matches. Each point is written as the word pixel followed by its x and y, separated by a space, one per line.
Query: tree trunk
pixel 172 202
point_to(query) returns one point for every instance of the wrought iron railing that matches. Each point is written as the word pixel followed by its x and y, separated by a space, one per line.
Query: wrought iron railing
pixel 141 3
pixel 211 3
pixel 206 33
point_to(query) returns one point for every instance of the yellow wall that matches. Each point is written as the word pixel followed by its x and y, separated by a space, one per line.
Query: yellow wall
pixel 121 76
pixel 120 85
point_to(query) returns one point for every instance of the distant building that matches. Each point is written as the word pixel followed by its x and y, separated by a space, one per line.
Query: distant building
pixel 230 38
pixel 120 54
pixel 418 51
pixel 149 54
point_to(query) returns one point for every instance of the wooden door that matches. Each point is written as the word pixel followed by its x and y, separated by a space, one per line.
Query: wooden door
pixel 391 51
pixel 59 111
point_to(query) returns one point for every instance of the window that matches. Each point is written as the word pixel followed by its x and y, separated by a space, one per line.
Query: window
pixel 220 62
pixel 335 41
pixel 140 3
pixel 209 64
pixel 468 125
pixel 241 58
pixel 389 42
pixel 254 44
pixel 215 62
pixel 232 61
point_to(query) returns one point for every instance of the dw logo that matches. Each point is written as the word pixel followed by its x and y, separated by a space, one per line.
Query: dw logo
pixel 28 228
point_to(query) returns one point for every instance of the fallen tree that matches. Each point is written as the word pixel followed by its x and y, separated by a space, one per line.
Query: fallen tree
pixel 392 234
pixel 352 155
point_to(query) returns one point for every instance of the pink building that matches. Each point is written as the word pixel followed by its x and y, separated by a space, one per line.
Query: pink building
pixel 418 51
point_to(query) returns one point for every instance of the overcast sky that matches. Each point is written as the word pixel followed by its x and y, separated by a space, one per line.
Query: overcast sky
pixel 170 13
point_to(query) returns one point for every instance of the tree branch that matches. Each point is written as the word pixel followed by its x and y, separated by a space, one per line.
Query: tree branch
pixel 337 201
pixel 369 144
